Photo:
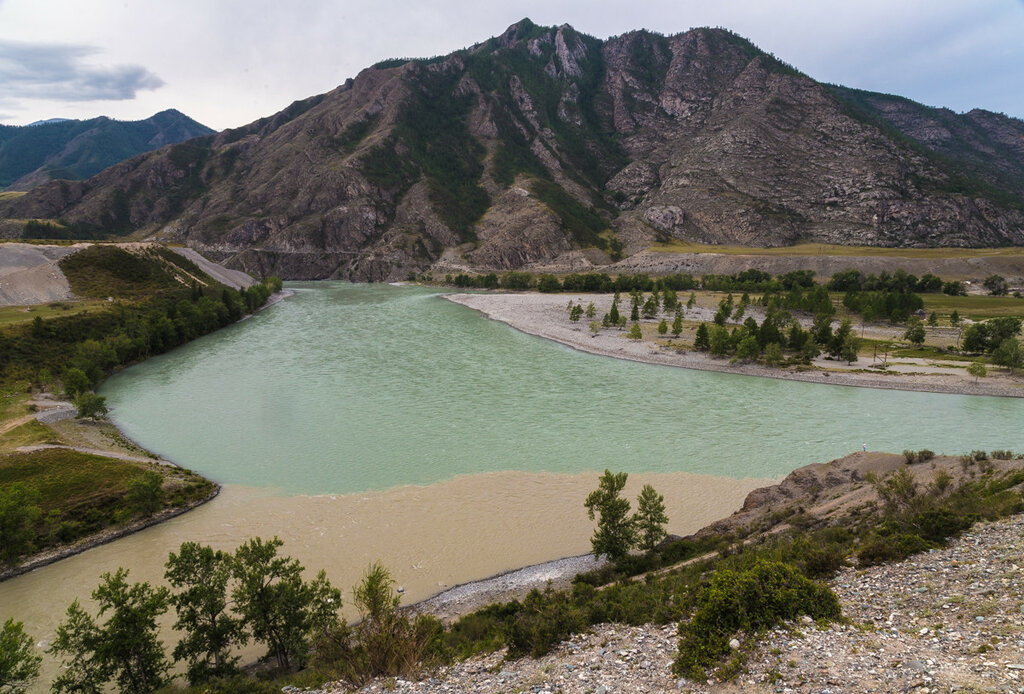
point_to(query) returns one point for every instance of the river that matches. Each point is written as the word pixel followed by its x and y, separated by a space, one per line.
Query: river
pixel 364 422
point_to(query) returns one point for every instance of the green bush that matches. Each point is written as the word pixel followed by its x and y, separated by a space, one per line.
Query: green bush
pixel 749 600
pixel 881 550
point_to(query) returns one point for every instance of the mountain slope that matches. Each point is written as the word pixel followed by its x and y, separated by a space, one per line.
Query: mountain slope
pixel 546 144
pixel 73 149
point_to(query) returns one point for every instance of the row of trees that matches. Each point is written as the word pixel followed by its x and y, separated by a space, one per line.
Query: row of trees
pixel 900 281
pixel 222 600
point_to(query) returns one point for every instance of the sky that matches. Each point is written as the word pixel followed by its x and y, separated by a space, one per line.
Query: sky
pixel 228 62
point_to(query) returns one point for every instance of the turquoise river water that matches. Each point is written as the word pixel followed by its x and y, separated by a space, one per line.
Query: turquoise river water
pixel 344 388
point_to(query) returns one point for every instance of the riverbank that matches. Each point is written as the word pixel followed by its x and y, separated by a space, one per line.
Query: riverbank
pixel 544 315
pixel 60 429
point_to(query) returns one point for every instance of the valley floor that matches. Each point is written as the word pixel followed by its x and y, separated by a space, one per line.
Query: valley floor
pixel 544 315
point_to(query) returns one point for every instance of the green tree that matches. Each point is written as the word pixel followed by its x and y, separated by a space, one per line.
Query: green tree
pixel 19 514
pixel 146 493
pixel 595 327
pixel 635 333
pixel 575 313
pixel 591 310
pixel 996 285
pixel 773 354
pixel 954 318
pixel 650 308
pixel 851 346
pixel 933 319
pixel 748 349
pixel 75 382
pixel 1009 354
pixel 977 369
pixel 692 301
pixel 663 327
pixel 677 324
pixel 200 577
pixel 124 649
pixel 91 405
pixel 613 315
pixel 702 341
pixel 650 518
pixel 19 665
pixel 915 332
pixel 634 311
pixel 77 639
pixel 615 533
pixel 718 341
pixel 280 609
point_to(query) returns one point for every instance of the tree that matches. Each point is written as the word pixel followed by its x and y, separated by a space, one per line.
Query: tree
pixel 575 313
pixel 933 319
pixel 591 310
pixel 19 666
pixel 954 318
pixel 996 285
pixel 280 608
pixel 977 369
pixel 650 518
pixel 91 405
pixel 677 324
pixel 19 514
pixel 1009 354
pixel 124 649
pixel 75 382
pixel 773 354
pixel 851 346
pixel 146 493
pixel 613 315
pixel 692 301
pixel 595 327
pixel 718 341
pixel 651 306
pixel 702 341
pixel 915 332
pixel 635 333
pixel 634 312
pixel 615 533
pixel 200 576
pixel 663 327
pixel 748 349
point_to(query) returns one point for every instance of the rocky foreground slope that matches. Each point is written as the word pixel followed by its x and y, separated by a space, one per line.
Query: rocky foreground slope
pixel 544 144
pixel 950 619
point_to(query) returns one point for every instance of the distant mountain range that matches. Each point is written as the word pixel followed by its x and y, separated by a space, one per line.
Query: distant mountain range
pixel 76 149
pixel 544 145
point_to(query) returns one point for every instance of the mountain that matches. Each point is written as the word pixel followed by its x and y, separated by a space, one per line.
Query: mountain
pixel 544 145
pixel 74 149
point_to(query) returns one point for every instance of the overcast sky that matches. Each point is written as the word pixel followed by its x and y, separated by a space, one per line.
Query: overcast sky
pixel 228 62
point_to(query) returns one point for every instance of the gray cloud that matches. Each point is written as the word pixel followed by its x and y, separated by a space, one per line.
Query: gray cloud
pixel 58 72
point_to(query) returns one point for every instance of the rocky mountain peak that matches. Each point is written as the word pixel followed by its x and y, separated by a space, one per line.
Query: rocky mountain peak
pixel 544 147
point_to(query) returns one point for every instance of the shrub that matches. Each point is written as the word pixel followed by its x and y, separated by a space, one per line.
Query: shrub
pixel 749 600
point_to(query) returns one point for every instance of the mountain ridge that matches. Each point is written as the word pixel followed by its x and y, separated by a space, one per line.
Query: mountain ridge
pixel 544 143
pixel 77 149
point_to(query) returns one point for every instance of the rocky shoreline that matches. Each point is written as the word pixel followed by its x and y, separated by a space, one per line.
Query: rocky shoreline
pixel 544 315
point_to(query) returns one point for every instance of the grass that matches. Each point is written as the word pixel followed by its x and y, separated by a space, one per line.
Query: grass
pixel 809 249
pixel 974 307
pixel 11 194
pixel 67 479
pixel 12 315
pixel 27 434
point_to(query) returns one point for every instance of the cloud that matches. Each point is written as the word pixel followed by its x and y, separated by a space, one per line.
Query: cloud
pixel 58 72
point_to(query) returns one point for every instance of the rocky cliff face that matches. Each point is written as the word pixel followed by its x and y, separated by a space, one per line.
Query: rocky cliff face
pixel 545 144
